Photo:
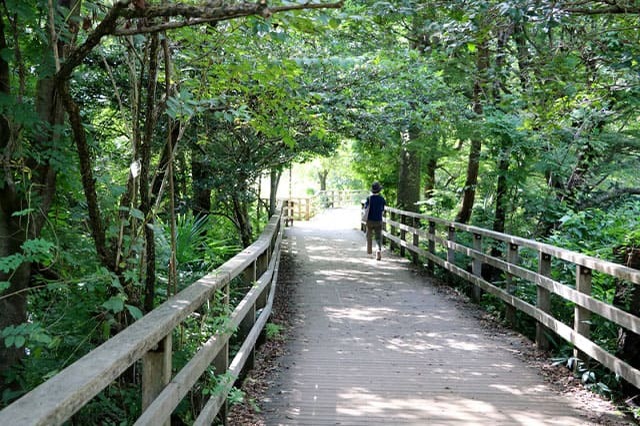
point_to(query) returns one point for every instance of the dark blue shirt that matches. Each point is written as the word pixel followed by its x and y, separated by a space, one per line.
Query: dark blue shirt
pixel 376 205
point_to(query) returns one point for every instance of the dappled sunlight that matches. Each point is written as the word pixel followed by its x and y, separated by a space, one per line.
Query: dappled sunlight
pixel 513 390
pixel 465 346
pixel 357 313
pixel 409 345
pixel 376 343
pixel 359 402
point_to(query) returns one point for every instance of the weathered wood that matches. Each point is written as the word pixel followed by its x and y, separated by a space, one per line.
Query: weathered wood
pixel 451 253
pixel 610 268
pixel 596 306
pixel 432 244
pixel 56 400
pixel 543 300
pixel 416 240
pixel 476 266
pixel 216 403
pixel 156 373
pixel 585 303
pixel 512 258
pixel 582 316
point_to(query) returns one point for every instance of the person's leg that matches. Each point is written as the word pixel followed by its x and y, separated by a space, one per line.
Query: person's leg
pixel 378 232
pixel 369 238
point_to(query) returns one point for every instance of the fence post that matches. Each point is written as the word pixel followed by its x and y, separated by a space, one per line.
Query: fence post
pixel 247 322
pixel 156 372
pixel 307 213
pixel 290 212
pixel 221 361
pixel 432 245
pixel 512 258
pixel 403 235
pixel 451 253
pixel 416 240
pixel 476 266
pixel 392 231
pixel 582 315
pixel 543 300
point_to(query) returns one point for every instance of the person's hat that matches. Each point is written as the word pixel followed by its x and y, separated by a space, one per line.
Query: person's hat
pixel 376 187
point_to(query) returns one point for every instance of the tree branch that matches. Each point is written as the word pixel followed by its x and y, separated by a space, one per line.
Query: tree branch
pixel 601 8
pixel 608 196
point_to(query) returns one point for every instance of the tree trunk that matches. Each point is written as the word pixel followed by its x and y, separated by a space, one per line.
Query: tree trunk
pixel 201 184
pixel 629 294
pixel 430 183
pixel 243 223
pixel 473 165
pixel 322 176
pixel 274 181
pixel 501 193
pixel 36 194
pixel 145 198
pixel 409 179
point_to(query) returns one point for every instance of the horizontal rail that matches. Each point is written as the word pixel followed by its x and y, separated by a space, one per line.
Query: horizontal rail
pixel 405 231
pixel 56 400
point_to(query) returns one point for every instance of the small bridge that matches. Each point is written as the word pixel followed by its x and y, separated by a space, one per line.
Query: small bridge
pixel 374 342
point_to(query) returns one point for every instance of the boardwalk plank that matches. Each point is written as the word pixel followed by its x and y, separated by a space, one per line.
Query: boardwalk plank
pixel 374 344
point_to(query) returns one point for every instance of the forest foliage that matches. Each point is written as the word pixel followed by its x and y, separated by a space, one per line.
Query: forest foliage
pixel 134 134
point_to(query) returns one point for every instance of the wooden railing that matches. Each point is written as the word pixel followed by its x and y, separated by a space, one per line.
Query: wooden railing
pixel 304 208
pixel 435 241
pixel 149 341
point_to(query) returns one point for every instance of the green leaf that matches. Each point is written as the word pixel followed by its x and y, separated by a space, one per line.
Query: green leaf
pixel 115 304
pixel 19 341
pixel 11 263
pixel 22 212
pixel 38 250
pixel 137 214
pixel 135 312
pixel 471 47
pixel 4 285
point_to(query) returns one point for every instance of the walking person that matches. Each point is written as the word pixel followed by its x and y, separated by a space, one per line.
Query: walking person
pixel 375 206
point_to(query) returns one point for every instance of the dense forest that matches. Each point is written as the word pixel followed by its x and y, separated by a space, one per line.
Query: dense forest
pixel 134 136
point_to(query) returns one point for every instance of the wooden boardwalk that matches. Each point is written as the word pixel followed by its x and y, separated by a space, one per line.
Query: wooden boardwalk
pixel 374 344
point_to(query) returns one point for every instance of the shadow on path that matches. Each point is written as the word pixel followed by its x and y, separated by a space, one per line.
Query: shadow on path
pixel 374 344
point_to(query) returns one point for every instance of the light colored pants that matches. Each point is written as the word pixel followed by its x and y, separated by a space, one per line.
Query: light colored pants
pixel 374 228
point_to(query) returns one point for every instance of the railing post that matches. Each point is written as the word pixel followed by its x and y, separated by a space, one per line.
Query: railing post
pixel 307 214
pixel 156 372
pixel 403 235
pixel 582 316
pixel 392 231
pixel 416 240
pixel 543 300
pixel 432 246
pixel 476 266
pixel 289 215
pixel 221 361
pixel 249 278
pixel 220 366
pixel 512 258
pixel 451 253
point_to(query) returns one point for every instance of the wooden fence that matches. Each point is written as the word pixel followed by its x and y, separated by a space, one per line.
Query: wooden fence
pixel 304 208
pixel 439 242
pixel 148 342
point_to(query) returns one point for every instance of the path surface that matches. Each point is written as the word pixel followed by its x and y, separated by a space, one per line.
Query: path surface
pixel 374 344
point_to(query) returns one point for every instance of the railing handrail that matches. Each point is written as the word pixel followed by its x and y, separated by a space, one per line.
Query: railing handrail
pixel 607 267
pixel 57 399
pixel 580 295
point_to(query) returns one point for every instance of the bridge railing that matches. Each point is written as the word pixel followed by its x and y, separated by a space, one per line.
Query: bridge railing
pixel 440 242
pixel 148 342
pixel 304 208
